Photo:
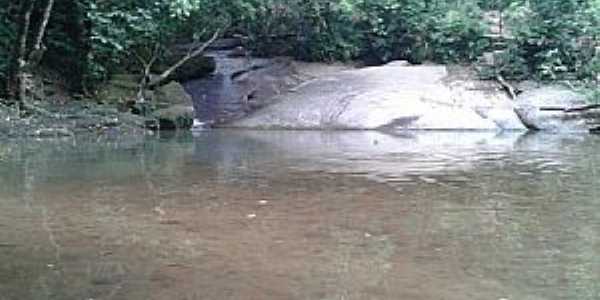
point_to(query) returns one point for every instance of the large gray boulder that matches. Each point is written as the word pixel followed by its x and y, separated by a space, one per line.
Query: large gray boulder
pixel 172 93
pixel 555 108
pixel 174 106
pixel 391 97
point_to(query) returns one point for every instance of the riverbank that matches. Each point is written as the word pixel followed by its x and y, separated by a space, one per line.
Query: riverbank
pixel 69 119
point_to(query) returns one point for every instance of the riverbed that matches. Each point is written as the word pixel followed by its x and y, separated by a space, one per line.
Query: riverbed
pixel 230 214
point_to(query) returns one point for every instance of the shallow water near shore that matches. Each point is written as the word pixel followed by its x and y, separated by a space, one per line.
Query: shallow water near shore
pixel 301 215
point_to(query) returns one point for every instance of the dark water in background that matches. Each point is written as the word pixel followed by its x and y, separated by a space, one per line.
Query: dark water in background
pixel 301 215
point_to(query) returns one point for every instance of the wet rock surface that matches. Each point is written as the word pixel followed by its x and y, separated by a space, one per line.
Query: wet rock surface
pixel 391 97
pixel 556 108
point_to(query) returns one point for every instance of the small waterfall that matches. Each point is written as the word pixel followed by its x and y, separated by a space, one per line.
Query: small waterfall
pixel 221 96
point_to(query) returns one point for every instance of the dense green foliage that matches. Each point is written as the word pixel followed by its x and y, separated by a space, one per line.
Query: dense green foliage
pixel 123 33
pixel 554 39
pixel 380 30
pixel 546 39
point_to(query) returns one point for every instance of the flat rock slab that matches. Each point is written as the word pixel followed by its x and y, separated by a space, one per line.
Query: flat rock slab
pixel 390 97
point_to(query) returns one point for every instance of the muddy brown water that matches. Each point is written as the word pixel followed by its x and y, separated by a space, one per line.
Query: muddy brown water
pixel 301 215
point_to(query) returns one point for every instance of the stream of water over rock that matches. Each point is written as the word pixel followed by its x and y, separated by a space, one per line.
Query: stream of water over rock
pixel 217 97
pixel 301 215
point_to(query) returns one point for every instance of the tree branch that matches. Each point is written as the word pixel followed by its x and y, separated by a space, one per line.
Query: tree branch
pixel 570 109
pixel 147 65
pixel 191 54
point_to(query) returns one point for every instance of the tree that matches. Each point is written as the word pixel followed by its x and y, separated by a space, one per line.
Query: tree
pixel 122 33
pixel 148 81
pixel 25 58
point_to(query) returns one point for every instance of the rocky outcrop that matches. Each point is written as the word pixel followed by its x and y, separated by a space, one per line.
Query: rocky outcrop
pixel 241 85
pixel 391 97
pixel 557 109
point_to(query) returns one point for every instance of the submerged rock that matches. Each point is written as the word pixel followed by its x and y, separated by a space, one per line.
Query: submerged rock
pixel 555 108
pixel 390 97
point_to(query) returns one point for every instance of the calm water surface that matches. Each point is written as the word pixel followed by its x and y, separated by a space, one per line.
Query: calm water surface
pixel 301 215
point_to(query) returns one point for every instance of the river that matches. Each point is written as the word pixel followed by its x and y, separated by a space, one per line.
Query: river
pixel 301 215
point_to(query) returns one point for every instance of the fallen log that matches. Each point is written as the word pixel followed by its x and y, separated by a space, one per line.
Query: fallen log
pixel 570 109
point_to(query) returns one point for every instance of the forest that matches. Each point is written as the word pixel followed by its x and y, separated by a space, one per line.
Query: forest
pixel 82 43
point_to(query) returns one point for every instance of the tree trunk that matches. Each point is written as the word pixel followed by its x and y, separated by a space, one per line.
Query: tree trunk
pixel 17 88
pixel 510 90
pixel 23 60
pixel 43 24
pixel 38 49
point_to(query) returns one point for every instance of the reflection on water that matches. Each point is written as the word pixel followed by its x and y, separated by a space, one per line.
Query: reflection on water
pixel 301 215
